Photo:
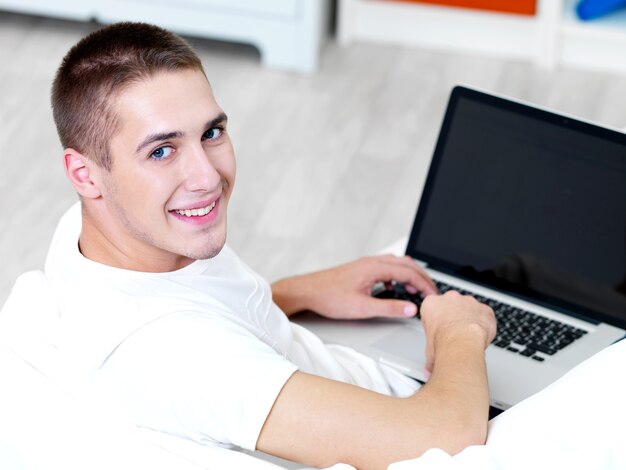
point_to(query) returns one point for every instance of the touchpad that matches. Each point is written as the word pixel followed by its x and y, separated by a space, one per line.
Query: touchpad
pixel 407 343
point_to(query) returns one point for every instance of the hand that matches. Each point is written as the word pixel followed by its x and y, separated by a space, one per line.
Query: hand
pixel 344 292
pixel 444 317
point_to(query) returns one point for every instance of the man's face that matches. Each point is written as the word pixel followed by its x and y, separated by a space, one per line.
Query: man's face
pixel 173 172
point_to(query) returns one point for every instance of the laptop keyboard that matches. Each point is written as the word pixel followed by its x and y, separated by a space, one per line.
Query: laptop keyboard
pixel 519 331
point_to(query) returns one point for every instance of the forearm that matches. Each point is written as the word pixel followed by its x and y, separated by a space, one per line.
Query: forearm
pixel 457 390
pixel 321 422
pixel 450 412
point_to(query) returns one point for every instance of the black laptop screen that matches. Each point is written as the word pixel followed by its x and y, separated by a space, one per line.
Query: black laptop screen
pixel 529 202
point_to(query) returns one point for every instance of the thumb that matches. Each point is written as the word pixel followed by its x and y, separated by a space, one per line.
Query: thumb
pixel 393 308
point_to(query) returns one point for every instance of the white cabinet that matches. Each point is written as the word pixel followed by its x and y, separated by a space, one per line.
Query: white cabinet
pixel 288 33
pixel 552 37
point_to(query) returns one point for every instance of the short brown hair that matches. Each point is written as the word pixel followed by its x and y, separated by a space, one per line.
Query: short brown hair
pixel 101 65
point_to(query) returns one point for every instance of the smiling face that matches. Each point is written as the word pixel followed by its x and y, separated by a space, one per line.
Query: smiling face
pixel 163 204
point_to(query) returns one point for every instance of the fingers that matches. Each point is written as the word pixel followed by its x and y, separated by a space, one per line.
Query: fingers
pixel 405 270
pixel 410 263
pixel 372 307
pixel 453 311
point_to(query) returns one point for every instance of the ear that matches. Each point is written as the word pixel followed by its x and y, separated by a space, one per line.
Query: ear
pixel 82 173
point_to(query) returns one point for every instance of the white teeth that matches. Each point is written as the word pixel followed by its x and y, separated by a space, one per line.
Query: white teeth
pixel 196 212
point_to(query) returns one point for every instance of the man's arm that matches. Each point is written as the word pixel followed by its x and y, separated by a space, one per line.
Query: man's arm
pixel 320 422
pixel 344 292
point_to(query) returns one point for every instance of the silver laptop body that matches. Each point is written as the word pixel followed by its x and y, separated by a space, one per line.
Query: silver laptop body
pixel 526 208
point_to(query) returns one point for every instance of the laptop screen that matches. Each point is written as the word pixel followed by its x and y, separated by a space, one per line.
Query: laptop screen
pixel 528 202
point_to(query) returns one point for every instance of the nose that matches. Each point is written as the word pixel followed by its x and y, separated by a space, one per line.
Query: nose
pixel 200 175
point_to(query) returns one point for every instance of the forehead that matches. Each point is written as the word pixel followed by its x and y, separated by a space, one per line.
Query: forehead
pixel 167 101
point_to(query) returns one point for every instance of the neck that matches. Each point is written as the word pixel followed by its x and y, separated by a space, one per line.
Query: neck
pixel 113 247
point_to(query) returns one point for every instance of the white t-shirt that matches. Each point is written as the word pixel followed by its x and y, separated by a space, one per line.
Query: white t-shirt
pixel 199 354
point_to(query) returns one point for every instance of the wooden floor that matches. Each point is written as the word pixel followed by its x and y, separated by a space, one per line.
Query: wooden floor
pixel 330 167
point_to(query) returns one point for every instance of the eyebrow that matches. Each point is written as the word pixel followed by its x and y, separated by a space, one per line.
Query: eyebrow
pixel 160 136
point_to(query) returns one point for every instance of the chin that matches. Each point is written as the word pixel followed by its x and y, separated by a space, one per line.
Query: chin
pixel 199 247
pixel 208 251
pixel 208 254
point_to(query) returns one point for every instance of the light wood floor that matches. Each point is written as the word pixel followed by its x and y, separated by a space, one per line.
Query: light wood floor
pixel 330 167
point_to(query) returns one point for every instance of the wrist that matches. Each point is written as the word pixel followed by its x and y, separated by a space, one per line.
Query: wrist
pixel 465 336
pixel 290 295
pixel 459 356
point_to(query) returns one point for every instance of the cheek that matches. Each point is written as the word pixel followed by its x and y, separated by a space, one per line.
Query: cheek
pixel 231 170
pixel 226 164
pixel 146 190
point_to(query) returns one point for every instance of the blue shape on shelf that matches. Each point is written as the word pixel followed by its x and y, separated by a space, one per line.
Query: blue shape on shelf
pixel 591 9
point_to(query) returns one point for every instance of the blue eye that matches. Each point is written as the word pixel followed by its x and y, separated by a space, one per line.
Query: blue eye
pixel 162 153
pixel 213 134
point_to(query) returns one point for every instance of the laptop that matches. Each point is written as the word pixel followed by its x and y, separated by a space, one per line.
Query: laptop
pixel 525 209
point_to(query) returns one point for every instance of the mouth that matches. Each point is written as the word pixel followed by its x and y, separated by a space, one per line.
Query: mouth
pixel 199 212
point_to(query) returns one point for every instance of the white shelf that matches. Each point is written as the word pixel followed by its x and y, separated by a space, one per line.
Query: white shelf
pixel 553 36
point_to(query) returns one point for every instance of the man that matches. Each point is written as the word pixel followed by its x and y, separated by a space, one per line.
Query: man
pixel 162 320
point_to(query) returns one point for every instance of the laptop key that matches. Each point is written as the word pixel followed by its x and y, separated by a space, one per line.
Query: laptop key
pixel 542 348
pixel 562 343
